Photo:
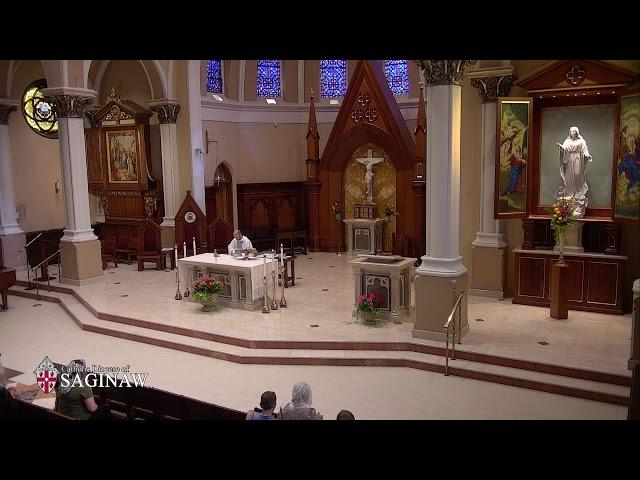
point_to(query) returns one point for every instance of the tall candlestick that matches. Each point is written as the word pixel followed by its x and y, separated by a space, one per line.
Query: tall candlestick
pixel 175 250
pixel 264 262
pixel 281 255
pixel 194 245
pixel 184 249
pixel 273 264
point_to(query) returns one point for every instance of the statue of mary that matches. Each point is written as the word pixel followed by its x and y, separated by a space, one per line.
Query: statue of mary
pixel 574 155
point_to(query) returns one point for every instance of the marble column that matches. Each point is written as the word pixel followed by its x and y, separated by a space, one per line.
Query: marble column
pixel 80 255
pixel 441 276
pixel 634 357
pixel 13 238
pixel 167 111
pixel 489 249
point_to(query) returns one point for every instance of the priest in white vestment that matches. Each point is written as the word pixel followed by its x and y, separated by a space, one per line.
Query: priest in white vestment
pixel 239 242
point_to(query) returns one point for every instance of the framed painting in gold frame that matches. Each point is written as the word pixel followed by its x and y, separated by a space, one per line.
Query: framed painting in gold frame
pixel 627 172
pixel 123 156
pixel 512 154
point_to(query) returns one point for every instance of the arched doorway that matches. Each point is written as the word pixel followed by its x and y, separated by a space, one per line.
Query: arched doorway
pixel 219 195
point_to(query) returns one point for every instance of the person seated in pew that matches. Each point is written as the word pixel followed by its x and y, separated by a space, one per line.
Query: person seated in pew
pixel 267 406
pixel 239 242
pixel 345 415
pixel 300 406
pixel 8 407
pixel 75 401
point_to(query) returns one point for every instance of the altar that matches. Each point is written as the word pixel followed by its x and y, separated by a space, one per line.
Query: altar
pixel 387 276
pixel 364 235
pixel 241 278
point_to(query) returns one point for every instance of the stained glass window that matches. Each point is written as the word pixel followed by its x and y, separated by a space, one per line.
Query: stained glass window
pixel 214 76
pixel 333 78
pixel 397 73
pixel 268 84
pixel 39 114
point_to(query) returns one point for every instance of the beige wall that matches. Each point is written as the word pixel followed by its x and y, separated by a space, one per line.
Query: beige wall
pixel 470 165
pixel 289 76
pixel 312 78
pixel 36 163
pixel 231 70
pixel 182 130
pixel 128 79
pixel 250 78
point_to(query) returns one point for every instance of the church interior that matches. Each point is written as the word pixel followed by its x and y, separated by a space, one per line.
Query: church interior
pixel 412 239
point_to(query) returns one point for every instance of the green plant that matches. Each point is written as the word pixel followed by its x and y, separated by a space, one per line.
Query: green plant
pixel 205 289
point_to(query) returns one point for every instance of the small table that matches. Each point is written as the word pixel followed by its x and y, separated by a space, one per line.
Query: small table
pixel 289 260
pixel 168 252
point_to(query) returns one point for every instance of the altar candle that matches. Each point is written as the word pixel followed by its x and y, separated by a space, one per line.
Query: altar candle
pixel 281 256
pixel 175 250
pixel 194 245
pixel 273 263
pixel 264 262
pixel 184 247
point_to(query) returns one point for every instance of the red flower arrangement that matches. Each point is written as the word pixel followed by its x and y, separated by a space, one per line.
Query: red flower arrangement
pixel 205 289
pixel 338 209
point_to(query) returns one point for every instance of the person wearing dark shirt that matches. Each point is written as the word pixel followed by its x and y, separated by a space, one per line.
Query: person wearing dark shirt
pixel 77 401
pixel 267 404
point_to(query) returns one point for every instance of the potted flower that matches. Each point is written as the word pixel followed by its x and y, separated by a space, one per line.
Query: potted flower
pixel 338 210
pixel 368 306
pixel 389 212
pixel 562 218
pixel 205 291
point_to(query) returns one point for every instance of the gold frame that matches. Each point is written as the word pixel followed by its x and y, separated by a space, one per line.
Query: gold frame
pixel 137 158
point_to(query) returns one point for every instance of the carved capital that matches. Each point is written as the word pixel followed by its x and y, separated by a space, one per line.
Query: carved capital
pixel 5 111
pixel 167 112
pixel 492 87
pixel 69 106
pixel 443 72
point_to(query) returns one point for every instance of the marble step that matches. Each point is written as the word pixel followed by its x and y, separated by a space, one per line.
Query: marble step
pixel 552 383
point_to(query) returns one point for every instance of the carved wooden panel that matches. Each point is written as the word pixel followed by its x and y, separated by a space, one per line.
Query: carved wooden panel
pixel 533 284
pixel 286 213
pixel 259 214
pixel 272 206
pixel 94 158
pixel 603 287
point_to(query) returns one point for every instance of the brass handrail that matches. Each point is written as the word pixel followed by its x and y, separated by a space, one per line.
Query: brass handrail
pixel 46 260
pixel 29 244
pixel 447 325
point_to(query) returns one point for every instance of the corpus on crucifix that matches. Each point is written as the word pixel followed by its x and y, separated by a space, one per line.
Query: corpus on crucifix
pixel 369 161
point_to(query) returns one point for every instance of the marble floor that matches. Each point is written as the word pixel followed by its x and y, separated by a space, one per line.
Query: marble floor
pixel 30 330
pixel 321 305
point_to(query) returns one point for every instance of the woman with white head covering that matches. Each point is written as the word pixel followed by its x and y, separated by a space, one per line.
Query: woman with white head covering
pixel 300 406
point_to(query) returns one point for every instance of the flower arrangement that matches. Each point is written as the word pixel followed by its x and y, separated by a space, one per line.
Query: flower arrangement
pixel 338 210
pixel 368 306
pixel 562 218
pixel 390 211
pixel 205 290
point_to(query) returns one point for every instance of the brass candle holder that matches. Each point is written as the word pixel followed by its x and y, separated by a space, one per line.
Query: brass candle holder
pixel 265 307
pixel 178 294
pixel 274 302
pixel 283 302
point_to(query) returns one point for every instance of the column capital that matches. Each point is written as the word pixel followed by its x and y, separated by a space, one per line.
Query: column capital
pixel 492 82
pixel 5 111
pixel 167 110
pixel 443 72
pixel 69 102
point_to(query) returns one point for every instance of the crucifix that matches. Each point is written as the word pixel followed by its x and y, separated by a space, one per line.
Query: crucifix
pixel 369 161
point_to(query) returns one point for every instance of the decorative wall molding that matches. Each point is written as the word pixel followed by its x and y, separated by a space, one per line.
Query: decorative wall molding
pixel 490 88
pixel 167 112
pixel 5 111
pixel 69 106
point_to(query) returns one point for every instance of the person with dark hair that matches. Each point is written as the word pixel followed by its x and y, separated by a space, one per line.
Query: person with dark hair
pixel 8 407
pixel 75 401
pixel 345 415
pixel 267 406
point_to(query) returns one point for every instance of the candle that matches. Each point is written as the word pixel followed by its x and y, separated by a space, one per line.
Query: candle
pixel 184 249
pixel 281 256
pixel 264 262
pixel 175 250
pixel 194 245
pixel 273 263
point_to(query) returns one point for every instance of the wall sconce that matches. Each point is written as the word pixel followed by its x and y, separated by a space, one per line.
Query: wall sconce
pixel 57 186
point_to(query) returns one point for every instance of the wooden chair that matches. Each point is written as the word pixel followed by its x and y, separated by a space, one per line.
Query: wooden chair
pixel 219 234
pixel 126 246
pixel 108 250
pixel 151 245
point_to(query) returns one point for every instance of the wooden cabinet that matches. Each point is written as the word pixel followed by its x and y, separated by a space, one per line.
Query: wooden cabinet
pixel 595 280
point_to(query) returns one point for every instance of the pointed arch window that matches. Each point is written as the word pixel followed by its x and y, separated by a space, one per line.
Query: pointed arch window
pixel 268 81
pixel 397 73
pixel 333 78
pixel 214 76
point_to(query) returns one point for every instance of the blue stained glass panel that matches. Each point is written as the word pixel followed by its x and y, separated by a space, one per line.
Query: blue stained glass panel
pixel 214 76
pixel 333 78
pixel 397 73
pixel 268 82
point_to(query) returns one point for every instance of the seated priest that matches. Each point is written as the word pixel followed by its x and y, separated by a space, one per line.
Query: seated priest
pixel 239 242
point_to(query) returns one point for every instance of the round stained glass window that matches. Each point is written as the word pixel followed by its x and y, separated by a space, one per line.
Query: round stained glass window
pixel 38 113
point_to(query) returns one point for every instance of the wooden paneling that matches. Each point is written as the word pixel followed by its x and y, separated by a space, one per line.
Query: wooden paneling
pixel 278 206
pixel 594 284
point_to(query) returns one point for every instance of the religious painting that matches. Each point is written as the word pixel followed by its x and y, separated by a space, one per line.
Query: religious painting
pixel 628 165
pixel 591 127
pixel 380 286
pixel 512 155
pixel 123 156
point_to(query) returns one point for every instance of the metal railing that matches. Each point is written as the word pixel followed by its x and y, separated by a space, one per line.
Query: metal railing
pixel 46 261
pixel 457 307
pixel 24 249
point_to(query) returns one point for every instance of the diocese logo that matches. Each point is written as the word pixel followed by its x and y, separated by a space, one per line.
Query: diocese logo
pixel 46 375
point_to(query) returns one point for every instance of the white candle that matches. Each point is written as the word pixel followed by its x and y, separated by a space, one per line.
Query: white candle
pixel 281 256
pixel 175 250
pixel 194 245
pixel 273 263
pixel 264 262
pixel 184 249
